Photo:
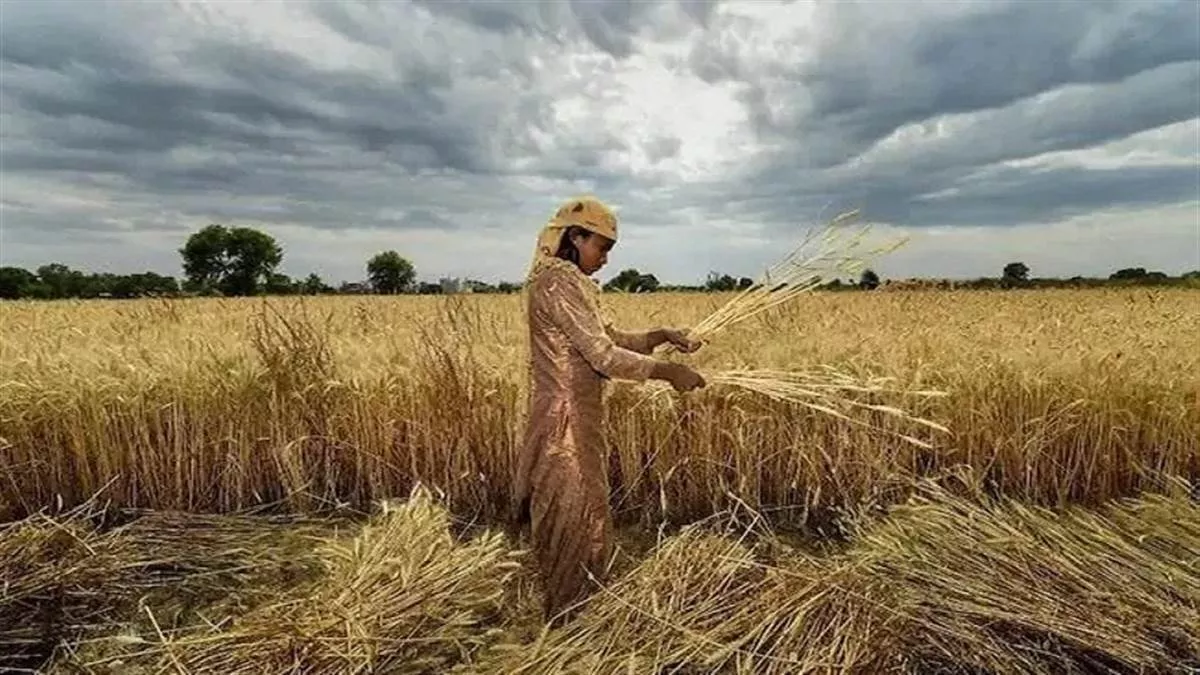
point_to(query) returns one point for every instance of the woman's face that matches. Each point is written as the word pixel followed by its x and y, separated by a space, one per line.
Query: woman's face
pixel 593 251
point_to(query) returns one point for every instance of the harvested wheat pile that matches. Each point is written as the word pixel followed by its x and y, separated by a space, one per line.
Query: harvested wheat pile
pixel 59 577
pixel 1018 589
pixel 404 596
pixel 68 581
pixel 942 584
pixel 945 584
pixel 673 608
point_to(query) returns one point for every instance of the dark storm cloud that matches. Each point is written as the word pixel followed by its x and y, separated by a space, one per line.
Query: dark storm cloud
pixel 239 130
pixel 437 117
pixel 1009 81
pixel 986 59
pixel 608 25
pixel 1015 196
pixel 266 88
pixel 878 66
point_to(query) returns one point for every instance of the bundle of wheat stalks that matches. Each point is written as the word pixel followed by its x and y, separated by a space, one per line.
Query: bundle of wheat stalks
pixel 942 584
pixel 50 570
pixel 69 578
pixel 822 389
pixel 828 391
pixel 832 250
pixel 402 596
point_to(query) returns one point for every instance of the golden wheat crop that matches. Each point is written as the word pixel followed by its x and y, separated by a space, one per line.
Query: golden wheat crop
pixel 215 405
pixel 944 558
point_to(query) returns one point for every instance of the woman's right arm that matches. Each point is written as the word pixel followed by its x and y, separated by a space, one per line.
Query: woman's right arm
pixel 571 310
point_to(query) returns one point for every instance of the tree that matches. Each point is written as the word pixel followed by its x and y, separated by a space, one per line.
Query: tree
pixel 647 283
pixel 869 280
pixel 744 283
pixel 314 285
pixel 633 281
pixel 238 260
pixel 1128 273
pixel 1016 272
pixel 62 281
pixel 204 257
pixel 280 284
pixel 251 259
pixel 390 273
pixel 625 281
pixel 15 282
pixel 720 282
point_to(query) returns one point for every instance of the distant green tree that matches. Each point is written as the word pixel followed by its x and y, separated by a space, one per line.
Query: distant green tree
pixel 16 282
pixel 252 257
pixel 744 283
pixel 62 281
pixel 236 261
pixel 869 280
pixel 205 258
pixel 720 282
pixel 314 285
pixel 647 283
pixel 390 273
pixel 280 284
pixel 1129 273
pixel 632 281
pixel 1016 272
pixel 624 281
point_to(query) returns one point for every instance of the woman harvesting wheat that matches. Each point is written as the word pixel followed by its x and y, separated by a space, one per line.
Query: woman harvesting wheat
pixel 561 488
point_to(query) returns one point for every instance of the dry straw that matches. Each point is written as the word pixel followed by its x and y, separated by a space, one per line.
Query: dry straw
pixel 403 596
pixel 68 579
pixel 831 250
pixel 837 248
pixel 826 390
pixel 945 583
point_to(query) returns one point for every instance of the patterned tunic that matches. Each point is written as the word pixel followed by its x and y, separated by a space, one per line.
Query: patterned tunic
pixel 560 483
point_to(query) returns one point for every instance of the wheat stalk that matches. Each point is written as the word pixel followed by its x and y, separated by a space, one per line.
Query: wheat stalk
pixel 828 391
pixel 798 272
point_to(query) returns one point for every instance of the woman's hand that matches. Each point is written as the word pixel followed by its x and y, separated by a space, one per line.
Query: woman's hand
pixel 681 339
pixel 680 376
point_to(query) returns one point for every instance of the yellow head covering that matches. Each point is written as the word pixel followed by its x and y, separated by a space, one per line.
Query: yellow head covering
pixel 586 212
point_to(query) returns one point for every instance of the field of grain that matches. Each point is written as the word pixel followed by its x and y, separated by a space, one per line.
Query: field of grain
pixel 1053 529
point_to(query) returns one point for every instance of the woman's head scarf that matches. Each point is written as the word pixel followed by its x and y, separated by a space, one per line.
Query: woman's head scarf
pixel 585 212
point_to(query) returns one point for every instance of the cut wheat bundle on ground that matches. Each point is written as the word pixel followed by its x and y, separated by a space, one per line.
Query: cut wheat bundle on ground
pixel 72 579
pixel 942 584
pixel 1008 587
pixel 673 608
pixel 403 595
pixel 60 578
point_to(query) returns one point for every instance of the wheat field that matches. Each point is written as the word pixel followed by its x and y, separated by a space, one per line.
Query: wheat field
pixel 1053 528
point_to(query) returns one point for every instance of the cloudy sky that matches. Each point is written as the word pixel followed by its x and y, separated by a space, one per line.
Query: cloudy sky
pixel 1064 133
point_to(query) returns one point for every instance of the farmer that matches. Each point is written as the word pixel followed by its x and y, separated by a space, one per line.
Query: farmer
pixel 561 488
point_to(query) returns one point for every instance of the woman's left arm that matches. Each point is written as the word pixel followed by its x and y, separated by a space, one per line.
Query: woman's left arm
pixel 642 342
pixel 645 342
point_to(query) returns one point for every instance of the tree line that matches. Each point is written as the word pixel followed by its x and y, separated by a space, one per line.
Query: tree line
pixel 243 261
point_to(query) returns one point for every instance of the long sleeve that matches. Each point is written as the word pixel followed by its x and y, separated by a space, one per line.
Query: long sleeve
pixel 634 341
pixel 578 317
